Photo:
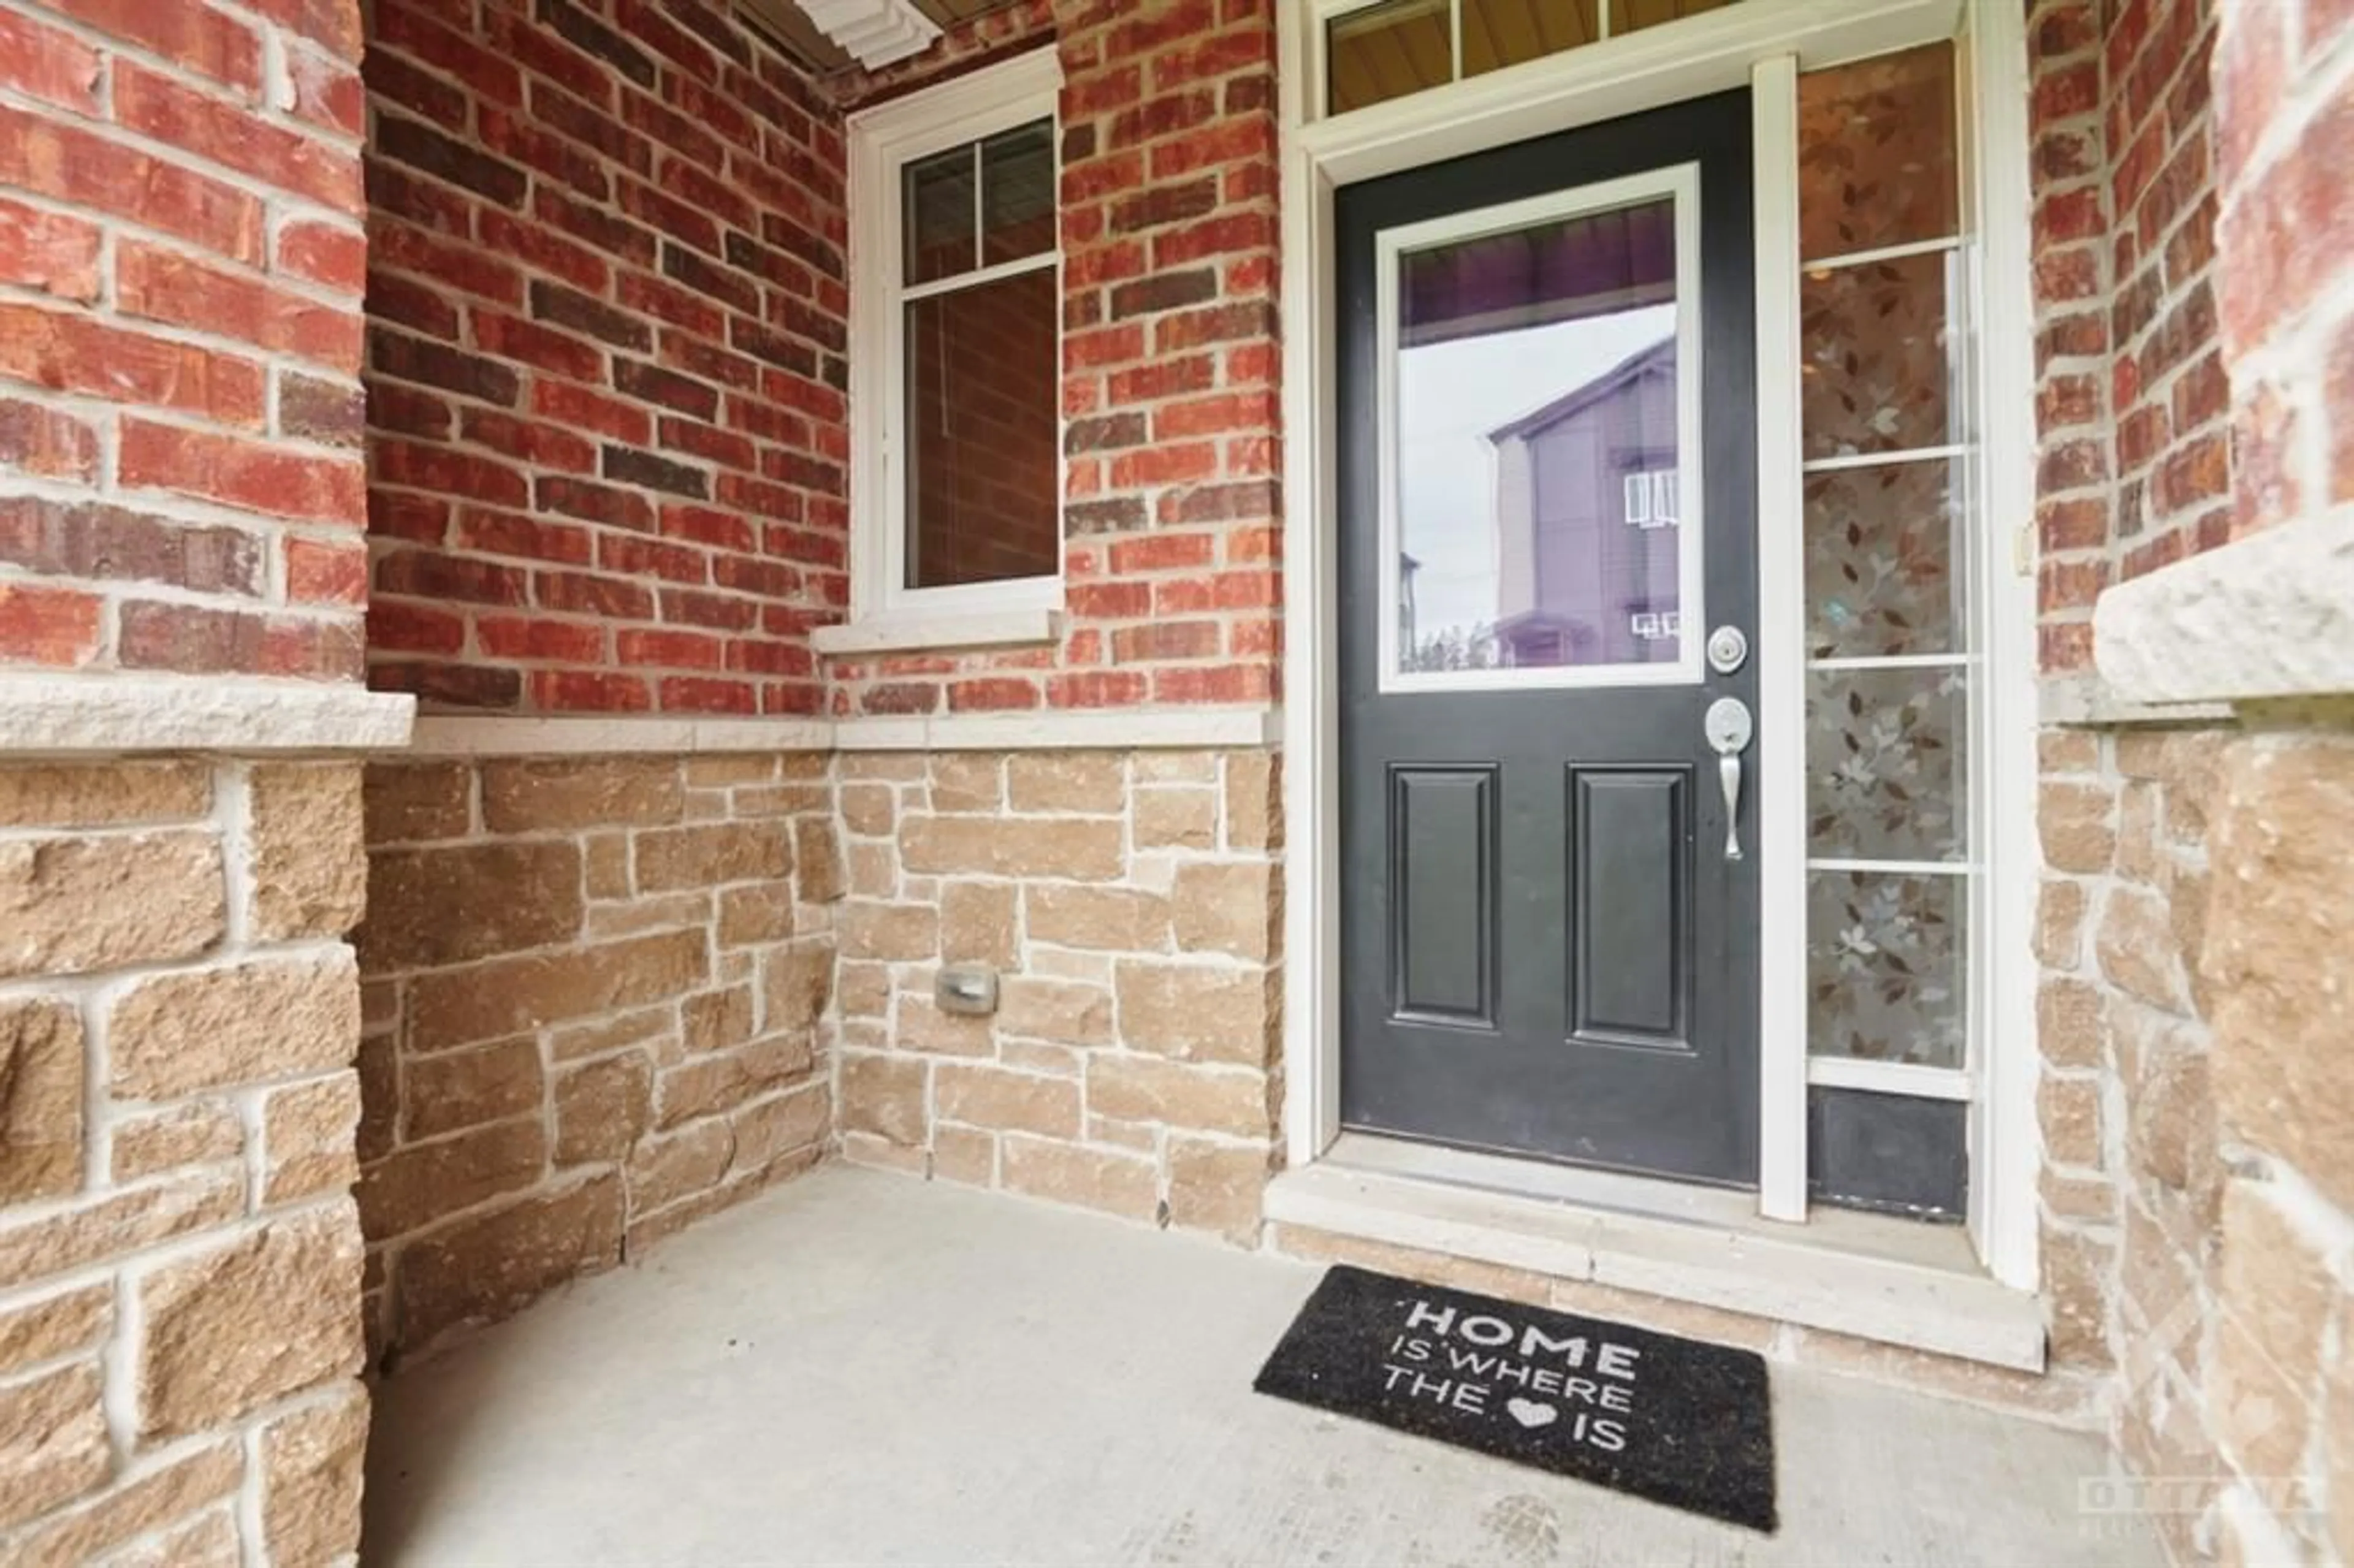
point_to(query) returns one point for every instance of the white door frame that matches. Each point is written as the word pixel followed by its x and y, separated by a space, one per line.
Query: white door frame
pixel 1762 44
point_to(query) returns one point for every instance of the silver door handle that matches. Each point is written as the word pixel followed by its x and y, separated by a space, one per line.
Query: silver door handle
pixel 1728 728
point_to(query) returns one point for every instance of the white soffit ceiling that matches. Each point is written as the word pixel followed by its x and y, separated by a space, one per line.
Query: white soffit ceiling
pixel 874 32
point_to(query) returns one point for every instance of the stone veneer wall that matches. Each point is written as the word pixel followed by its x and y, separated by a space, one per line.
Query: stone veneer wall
pixel 593 989
pixel 1133 903
pixel 179 1252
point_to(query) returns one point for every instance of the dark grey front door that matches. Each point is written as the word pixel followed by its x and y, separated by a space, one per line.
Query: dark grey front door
pixel 1547 487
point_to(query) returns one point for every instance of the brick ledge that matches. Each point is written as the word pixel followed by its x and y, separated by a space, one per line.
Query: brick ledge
pixel 57 714
pixel 1123 729
pixel 2265 617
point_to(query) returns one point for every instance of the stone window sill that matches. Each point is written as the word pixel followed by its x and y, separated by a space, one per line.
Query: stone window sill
pixel 928 631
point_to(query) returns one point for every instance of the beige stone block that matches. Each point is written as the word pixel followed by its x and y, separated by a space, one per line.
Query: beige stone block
pixel 507 996
pixel 2137 949
pixel 707 856
pixel 1129 1135
pixel 718 1019
pixel 413 802
pixel 41 1067
pixel 782 1126
pixel 210 1540
pixel 1108 919
pixel 2274 1295
pixel 111 1223
pixel 2078 1198
pixel 2060 924
pixel 603 1108
pixel 57 1448
pixel 966 1155
pixel 487 1266
pixel 778 801
pixel 2069 1111
pixel 979 923
pixel 2338 1422
pixel 432 907
pixel 902 767
pixel 1216 1187
pixel 1155 1090
pixel 2157 1287
pixel 2056 1396
pixel 656 1029
pixel 869 810
pixel 920 1026
pixel 725 1079
pixel 69 905
pixel 2067 751
pixel 2077 825
pixel 984 1094
pixel 1084 782
pixel 817 852
pixel 1030 1056
pixel 2071 1024
pixel 873 871
pixel 891 933
pixel 1084 849
pixel 1198 1012
pixel 1158 767
pixel 884 1096
pixel 308 849
pixel 1218 907
pixel 115 793
pixel 558 794
pixel 2281 921
pixel 47 1327
pixel 421 1183
pixel 311 1462
pixel 1115 1182
pixel 454 1089
pixel 2170 1121
pixel 201 1362
pixel 87 1532
pixel 606 864
pixel 865 989
pixel 174 1034
pixel 2077 1269
pixel 1176 819
pixel 719 772
pixel 2187 893
pixel 968 781
pixel 795 984
pixel 665 912
pixel 1067 1013
pixel 2139 810
pixel 1254 800
pixel 666 1169
pixel 308 1137
pixel 881 1154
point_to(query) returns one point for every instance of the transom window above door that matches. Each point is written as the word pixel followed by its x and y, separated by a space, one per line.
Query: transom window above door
pixel 1382 49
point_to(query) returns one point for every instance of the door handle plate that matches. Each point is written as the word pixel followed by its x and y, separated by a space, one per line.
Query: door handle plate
pixel 1728 728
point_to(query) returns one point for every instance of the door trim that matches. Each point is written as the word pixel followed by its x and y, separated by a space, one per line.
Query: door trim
pixel 1761 44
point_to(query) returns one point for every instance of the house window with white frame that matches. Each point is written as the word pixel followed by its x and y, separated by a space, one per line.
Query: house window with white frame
pixel 955 317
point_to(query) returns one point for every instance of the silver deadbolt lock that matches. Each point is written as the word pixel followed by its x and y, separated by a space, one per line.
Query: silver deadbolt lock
pixel 1728 650
pixel 1728 728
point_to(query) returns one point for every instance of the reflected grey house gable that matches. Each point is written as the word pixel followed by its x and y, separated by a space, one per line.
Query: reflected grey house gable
pixel 1587 515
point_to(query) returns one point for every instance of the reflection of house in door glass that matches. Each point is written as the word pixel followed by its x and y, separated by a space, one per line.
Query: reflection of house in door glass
pixel 1539 510
pixel 1587 521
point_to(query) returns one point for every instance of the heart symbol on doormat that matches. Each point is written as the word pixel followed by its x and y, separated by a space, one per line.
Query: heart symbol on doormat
pixel 1532 1413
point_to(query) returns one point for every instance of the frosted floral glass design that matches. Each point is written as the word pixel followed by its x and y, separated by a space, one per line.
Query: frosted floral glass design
pixel 1884 967
pixel 1876 154
pixel 1881 572
pixel 1873 373
pixel 1885 764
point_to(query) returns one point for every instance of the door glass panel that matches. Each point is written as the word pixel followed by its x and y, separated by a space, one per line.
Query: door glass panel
pixel 1875 377
pixel 1884 966
pixel 1876 154
pixel 1544 512
pixel 1387 51
pixel 1881 553
pixel 1885 764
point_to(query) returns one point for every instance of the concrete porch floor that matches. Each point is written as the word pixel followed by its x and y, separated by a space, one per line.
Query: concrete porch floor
pixel 860 1368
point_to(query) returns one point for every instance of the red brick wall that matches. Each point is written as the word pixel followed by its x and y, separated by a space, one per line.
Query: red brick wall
pixel 180 266
pixel 605 360
pixel 2134 404
pixel 1170 366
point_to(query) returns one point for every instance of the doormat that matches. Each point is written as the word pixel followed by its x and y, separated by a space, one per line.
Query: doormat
pixel 1672 1420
